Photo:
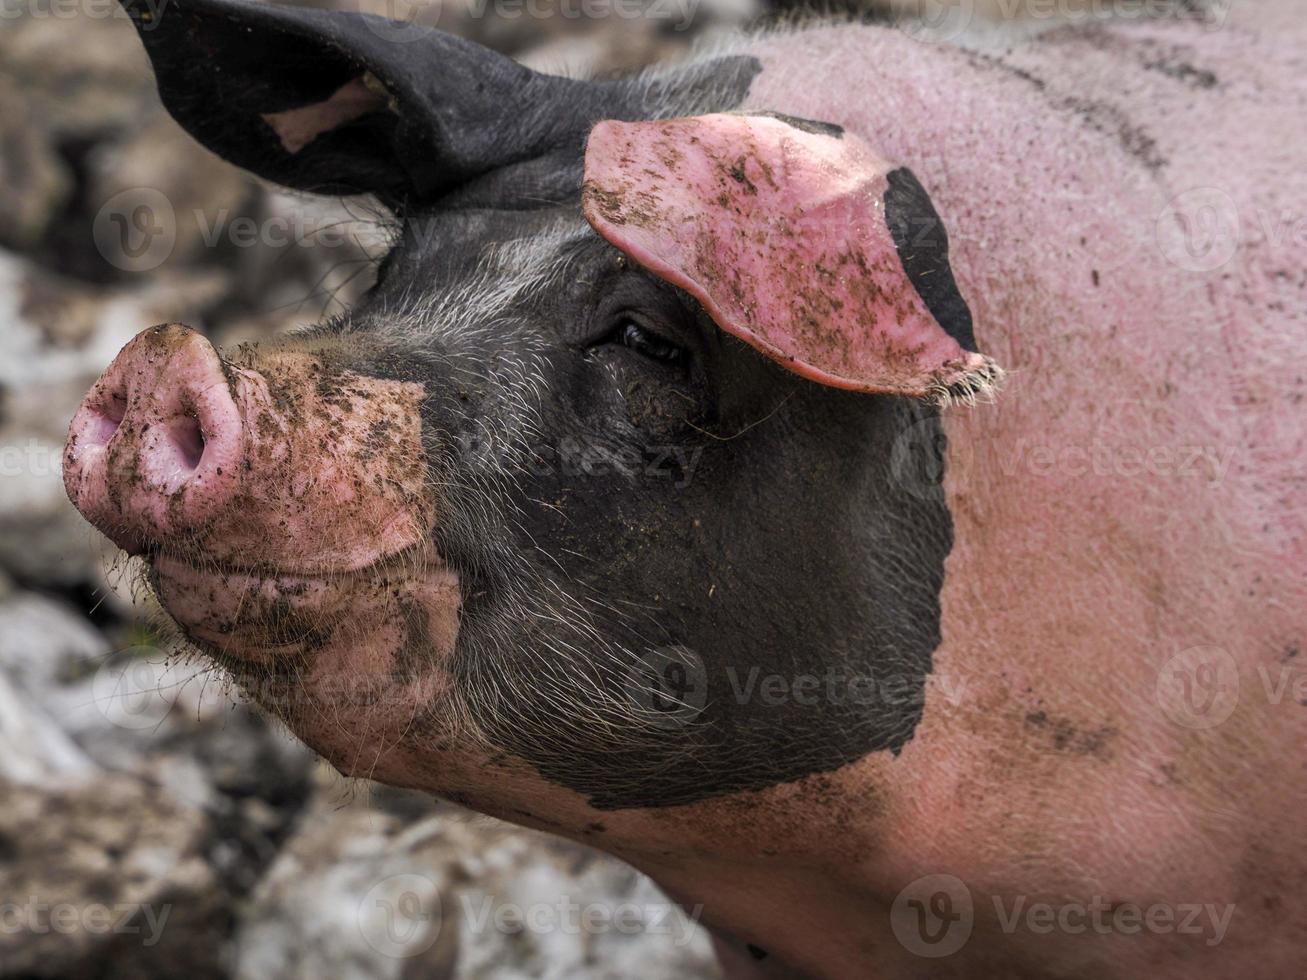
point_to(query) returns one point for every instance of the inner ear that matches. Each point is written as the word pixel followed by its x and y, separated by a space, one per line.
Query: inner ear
pixel 297 128
pixel 261 85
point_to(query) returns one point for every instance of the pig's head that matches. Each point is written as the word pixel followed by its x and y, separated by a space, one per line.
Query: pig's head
pixel 618 435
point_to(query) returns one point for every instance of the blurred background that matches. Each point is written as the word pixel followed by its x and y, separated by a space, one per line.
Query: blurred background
pixel 151 823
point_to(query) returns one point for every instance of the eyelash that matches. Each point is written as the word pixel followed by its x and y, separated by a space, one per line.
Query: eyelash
pixel 631 335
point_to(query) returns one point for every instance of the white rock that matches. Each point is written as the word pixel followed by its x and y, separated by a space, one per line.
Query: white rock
pixel 44 643
pixel 33 749
pixel 357 894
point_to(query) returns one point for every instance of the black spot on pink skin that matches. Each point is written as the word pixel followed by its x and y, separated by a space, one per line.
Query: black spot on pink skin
pixel 1067 737
pixel 922 243
pixel 817 126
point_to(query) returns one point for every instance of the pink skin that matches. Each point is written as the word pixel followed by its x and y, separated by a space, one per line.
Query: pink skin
pixel 1047 766
pixel 285 511
pixel 156 447
pixel 781 234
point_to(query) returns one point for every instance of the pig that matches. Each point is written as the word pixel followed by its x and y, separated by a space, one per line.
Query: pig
pixel 852 476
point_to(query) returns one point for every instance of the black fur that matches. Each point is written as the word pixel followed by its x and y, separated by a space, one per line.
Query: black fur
pixel 461 111
pixel 922 243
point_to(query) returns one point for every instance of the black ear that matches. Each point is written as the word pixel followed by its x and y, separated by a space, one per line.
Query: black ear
pixel 345 103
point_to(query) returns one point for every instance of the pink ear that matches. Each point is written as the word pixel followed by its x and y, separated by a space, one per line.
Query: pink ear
pixel 797 238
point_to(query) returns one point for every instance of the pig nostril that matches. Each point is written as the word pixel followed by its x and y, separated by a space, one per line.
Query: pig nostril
pixel 105 421
pixel 101 429
pixel 189 439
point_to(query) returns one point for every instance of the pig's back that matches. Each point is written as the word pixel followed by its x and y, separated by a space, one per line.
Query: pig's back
pixel 1127 204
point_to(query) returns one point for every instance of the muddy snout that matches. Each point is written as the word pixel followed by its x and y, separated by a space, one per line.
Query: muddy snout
pixel 285 459
pixel 155 448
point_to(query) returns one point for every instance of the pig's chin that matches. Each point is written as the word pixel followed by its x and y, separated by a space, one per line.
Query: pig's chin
pixel 398 615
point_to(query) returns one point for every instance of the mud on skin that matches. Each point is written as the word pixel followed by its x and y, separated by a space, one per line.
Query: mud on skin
pixel 558 589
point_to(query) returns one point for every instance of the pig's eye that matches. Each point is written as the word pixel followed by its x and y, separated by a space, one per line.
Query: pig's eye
pixel 637 338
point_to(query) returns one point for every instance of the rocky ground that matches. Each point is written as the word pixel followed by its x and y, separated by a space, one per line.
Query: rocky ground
pixel 151 824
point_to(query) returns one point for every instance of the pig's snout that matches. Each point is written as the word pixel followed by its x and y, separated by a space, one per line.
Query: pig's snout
pixel 290 459
pixel 155 449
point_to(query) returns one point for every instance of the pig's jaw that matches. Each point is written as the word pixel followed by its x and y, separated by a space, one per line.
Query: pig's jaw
pixel 350 661
pixel 389 616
